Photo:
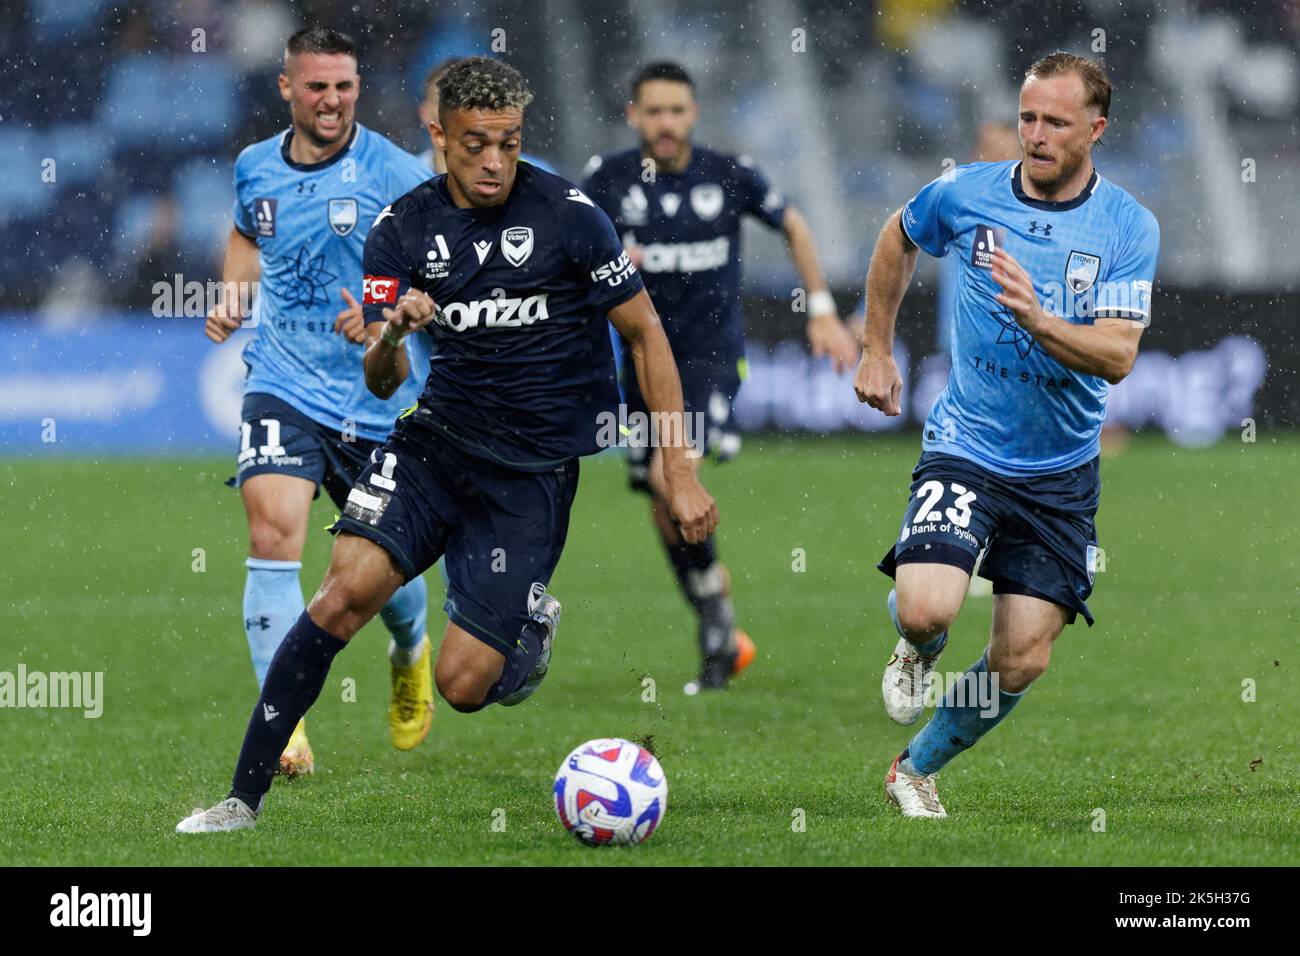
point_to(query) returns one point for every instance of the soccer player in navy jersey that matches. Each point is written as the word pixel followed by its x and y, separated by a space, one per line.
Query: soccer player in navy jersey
pixel 428 111
pixel 1054 290
pixel 679 207
pixel 304 199
pixel 513 270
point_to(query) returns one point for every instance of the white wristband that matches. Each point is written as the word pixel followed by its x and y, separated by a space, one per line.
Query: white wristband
pixel 389 339
pixel 821 303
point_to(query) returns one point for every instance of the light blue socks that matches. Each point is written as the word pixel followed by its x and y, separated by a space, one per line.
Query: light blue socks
pixel 406 615
pixel 968 711
pixel 272 603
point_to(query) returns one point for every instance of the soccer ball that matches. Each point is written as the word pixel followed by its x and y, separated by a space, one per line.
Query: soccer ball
pixel 610 791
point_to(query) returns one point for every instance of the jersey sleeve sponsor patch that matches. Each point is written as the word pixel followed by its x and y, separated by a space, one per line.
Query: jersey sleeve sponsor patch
pixel 380 289
pixel 385 266
pixel 1126 293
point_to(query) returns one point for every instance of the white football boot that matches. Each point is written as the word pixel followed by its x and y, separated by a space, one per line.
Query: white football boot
pixel 230 814
pixel 913 794
pixel 545 610
pixel 907 676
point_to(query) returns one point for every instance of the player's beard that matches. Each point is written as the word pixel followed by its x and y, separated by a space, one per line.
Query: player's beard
pixel 1068 164
pixel 664 150
pixel 320 139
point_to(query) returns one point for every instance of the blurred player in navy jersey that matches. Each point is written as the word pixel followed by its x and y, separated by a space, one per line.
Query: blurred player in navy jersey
pixel 1056 266
pixel 304 201
pixel 678 207
pixel 513 270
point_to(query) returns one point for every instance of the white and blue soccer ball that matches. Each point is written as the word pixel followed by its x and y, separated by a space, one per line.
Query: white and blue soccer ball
pixel 611 791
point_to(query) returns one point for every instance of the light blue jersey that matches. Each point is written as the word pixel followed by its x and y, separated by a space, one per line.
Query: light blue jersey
pixel 1009 406
pixel 310 224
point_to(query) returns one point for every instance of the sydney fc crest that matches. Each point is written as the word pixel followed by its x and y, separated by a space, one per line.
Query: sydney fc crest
pixel 343 216
pixel 706 200
pixel 517 244
pixel 1081 271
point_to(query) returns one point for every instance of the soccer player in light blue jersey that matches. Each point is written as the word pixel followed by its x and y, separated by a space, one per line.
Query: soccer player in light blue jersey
pixel 1054 290
pixel 304 201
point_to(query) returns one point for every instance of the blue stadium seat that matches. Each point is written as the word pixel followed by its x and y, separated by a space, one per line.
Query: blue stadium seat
pixel 171 104
pixel 23 194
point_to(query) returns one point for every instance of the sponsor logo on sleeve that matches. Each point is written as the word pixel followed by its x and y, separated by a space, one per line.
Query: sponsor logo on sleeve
pixel 1141 296
pixel 379 290
pixel 614 272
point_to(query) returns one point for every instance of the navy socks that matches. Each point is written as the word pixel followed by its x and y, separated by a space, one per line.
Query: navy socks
pixel 293 682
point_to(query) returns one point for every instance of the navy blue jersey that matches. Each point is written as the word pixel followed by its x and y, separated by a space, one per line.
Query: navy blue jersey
pixel 522 365
pixel 688 227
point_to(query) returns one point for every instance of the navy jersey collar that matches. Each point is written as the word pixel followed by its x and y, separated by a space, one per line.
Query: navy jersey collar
pixel 1049 206
pixel 287 138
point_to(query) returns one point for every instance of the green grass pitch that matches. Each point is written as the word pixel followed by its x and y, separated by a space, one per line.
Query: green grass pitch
pixel 1142 717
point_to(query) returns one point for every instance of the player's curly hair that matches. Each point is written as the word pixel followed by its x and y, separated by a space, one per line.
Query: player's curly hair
pixel 482 83
pixel 1096 85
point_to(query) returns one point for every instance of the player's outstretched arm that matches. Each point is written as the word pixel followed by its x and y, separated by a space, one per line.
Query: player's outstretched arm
pixel 827 335
pixel 386 363
pixel 1107 348
pixel 656 373
pixel 892 263
pixel 241 266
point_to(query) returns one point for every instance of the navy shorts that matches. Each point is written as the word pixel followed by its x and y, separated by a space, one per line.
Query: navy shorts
pixel 1039 532
pixel 501 530
pixel 708 394
pixel 277 439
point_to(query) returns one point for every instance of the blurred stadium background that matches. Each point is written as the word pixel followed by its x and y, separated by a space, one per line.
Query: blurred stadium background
pixel 119 124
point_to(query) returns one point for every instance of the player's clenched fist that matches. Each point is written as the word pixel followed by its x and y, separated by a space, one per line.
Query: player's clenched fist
pixel 693 508
pixel 220 323
pixel 414 311
pixel 878 383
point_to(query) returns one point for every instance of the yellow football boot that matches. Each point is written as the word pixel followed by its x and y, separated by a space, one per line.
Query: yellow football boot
pixel 297 759
pixel 410 708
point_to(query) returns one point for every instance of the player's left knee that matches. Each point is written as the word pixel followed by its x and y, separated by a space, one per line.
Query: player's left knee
pixel 1017 671
pixel 462 690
